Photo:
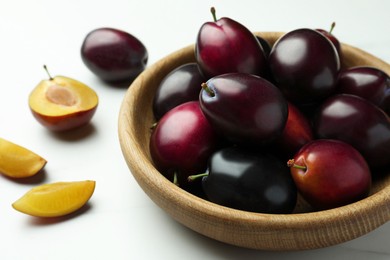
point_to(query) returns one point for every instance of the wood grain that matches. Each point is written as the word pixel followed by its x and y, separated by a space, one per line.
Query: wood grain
pixel 302 230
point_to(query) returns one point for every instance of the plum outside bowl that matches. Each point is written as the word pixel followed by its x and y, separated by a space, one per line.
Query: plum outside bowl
pixel 301 230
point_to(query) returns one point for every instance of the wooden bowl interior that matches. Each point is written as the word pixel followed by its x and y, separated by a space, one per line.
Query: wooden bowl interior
pixel 304 229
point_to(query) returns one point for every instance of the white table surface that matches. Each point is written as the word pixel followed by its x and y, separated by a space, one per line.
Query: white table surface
pixel 120 221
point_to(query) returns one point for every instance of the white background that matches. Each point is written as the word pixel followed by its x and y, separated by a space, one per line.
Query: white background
pixel 120 221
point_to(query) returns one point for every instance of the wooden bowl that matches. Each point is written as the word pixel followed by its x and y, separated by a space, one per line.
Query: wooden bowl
pixel 304 229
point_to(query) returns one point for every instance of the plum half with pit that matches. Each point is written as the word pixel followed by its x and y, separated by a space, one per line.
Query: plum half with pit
pixel 62 103
pixel 113 55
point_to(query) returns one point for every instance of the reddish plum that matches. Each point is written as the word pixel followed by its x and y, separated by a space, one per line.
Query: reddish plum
pixel 330 173
pixel 225 46
pixel 182 142
pixel 297 132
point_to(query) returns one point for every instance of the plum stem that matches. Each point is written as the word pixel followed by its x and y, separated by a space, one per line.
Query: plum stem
pixel 47 71
pixel 291 163
pixel 175 181
pixel 206 88
pixel 212 10
pixel 196 176
pixel 332 27
pixel 154 125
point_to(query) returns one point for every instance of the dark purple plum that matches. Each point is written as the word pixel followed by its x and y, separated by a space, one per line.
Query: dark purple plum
pixel 225 46
pixel 181 85
pixel 356 121
pixel 266 49
pixel 385 105
pixel 304 65
pixel 367 82
pixel 264 44
pixel 329 34
pixel 244 108
pixel 182 142
pixel 113 55
pixel 250 181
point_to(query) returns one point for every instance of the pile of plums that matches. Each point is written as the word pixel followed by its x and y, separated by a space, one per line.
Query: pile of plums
pixel 255 125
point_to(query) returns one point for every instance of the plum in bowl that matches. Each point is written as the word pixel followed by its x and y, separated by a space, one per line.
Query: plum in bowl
pixel 304 229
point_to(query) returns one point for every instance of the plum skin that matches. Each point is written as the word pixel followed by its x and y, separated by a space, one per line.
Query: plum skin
pixel 182 142
pixel 226 46
pixel 335 173
pixel 181 85
pixel 364 81
pixel 65 122
pixel 246 109
pixel 302 78
pixel 114 55
pixel 356 121
pixel 249 180
pixel 296 133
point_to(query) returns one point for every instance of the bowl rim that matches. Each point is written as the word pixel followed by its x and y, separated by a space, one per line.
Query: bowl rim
pixel 364 215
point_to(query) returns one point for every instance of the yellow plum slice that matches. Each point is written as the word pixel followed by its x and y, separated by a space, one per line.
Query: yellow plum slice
pixel 17 161
pixel 55 199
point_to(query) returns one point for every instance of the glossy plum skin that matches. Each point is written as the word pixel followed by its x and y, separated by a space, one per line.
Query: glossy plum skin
pixel 385 104
pixel 227 46
pixel 182 142
pixel 332 38
pixel 114 55
pixel 358 122
pixel 250 181
pixel 265 45
pixel 65 122
pixel 304 65
pixel 296 133
pixel 181 85
pixel 367 82
pixel 335 174
pixel 246 109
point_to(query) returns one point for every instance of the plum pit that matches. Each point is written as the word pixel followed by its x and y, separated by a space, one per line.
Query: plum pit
pixel 61 95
